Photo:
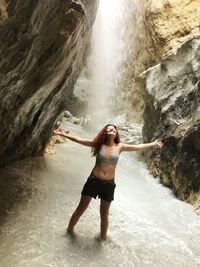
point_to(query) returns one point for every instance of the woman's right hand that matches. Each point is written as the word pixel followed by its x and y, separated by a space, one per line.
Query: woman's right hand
pixel 60 132
pixel 158 143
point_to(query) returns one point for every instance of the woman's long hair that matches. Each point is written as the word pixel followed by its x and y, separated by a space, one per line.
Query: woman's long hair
pixel 100 139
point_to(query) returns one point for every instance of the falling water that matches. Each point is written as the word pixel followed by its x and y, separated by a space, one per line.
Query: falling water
pixel 106 47
pixel 101 82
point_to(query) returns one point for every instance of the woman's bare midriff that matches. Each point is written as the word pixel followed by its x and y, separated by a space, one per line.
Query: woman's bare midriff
pixel 104 171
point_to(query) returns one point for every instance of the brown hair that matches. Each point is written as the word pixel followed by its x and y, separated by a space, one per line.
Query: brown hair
pixel 100 139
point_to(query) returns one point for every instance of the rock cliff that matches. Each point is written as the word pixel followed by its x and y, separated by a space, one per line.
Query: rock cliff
pixel 172 22
pixel 157 27
pixel 172 112
pixel 42 49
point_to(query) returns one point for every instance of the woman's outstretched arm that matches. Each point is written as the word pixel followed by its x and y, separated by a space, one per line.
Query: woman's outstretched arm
pixel 77 139
pixel 126 147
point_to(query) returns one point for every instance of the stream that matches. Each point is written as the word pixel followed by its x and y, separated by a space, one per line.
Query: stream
pixel 148 225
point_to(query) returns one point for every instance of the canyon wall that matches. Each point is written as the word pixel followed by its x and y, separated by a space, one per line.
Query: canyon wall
pixel 158 27
pixel 166 96
pixel 42 50
pixel 171 94
pixel 172 22
pixel 172 112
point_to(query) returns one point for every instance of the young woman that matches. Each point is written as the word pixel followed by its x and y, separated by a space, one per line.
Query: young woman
pixel 106 146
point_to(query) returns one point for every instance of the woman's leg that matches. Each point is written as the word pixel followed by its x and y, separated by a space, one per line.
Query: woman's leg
pixel 104 213
pixel 82 206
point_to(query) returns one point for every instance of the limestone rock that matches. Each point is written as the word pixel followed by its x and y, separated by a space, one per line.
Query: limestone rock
pixel 156 27
pixel 172 22
pixel 3 10
pixel 172 112
pixel 42 50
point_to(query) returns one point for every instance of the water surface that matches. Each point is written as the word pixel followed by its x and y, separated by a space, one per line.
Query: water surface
pixel 148 225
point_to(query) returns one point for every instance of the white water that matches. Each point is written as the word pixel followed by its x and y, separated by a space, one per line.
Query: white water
pixel 99 83
pixel 148 225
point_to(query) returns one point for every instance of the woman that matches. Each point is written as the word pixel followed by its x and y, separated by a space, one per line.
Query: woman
pixel 107 147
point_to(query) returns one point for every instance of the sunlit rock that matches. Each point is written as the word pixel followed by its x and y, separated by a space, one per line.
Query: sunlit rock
pixel 3 10
pixel 151 28
pixel 172 112
pixel 171 22
pixel 42 49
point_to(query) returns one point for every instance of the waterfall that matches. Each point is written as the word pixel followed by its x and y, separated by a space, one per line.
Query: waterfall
pixel 101 84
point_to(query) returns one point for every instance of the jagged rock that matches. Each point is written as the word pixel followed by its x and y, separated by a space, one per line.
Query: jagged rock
pixel 149 28
pixel 42 50
pixel 172 111
pixel 155 27
pixel 130 133
pixel 172 22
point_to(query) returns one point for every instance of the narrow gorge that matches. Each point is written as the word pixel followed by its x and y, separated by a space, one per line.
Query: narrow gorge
pixel 82 64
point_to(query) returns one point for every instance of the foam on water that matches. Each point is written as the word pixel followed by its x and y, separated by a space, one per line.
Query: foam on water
pixel 148 225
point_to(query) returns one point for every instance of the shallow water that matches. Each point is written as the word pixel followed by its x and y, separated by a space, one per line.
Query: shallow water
pixel 148 225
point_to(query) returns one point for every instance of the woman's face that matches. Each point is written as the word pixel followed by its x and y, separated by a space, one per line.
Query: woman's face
pixel 111 130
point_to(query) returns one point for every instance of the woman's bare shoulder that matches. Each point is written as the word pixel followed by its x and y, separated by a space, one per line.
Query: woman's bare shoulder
pixel 119 146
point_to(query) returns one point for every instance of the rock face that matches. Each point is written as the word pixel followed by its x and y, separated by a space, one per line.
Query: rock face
pixel 172 112
pixel 42 48
pixel 155 28
pixel 172 22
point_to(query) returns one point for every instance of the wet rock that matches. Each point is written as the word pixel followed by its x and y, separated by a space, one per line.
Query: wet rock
pixel 68 115
pixel 42 50
pixel 59 120
pixel 159 26
pixel 55 139
pixel 76 120
pixel 71 118
pixel 58 123
pixel 172 102
pixel 130 133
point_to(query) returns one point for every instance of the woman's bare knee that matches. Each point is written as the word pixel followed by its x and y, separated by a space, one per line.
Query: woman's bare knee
pixel 83 204
pixel 104 208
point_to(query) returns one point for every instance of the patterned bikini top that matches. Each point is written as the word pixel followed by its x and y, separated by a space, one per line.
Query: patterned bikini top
pixel 102 159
